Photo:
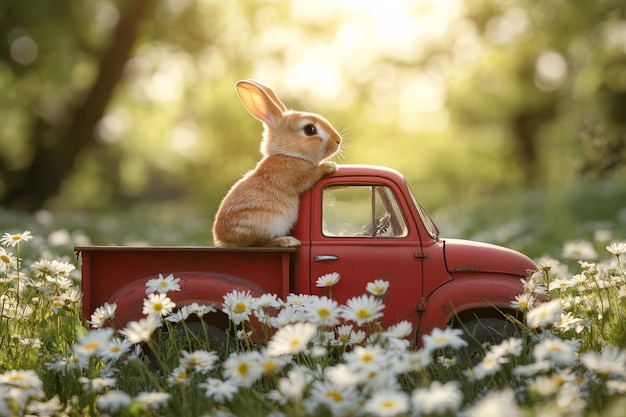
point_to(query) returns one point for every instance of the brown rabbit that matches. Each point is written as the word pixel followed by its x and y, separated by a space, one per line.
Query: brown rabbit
pixel 262 207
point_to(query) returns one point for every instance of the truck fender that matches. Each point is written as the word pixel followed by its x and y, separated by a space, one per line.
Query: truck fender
pixel 195 286
pixel 463 296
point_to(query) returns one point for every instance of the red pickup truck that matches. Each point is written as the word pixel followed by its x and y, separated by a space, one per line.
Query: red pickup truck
pixel 362 222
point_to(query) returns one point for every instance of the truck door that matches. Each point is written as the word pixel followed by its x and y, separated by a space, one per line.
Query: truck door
pixel 363 235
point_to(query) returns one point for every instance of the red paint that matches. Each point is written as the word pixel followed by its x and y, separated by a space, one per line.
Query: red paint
pixel 432 279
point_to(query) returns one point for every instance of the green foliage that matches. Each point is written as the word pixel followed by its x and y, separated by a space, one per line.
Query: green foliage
pixel 467 100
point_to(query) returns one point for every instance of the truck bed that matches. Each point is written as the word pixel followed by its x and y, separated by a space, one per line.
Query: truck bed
pixel 111 272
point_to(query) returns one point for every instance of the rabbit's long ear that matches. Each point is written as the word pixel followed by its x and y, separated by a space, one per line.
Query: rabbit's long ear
pixel 260 101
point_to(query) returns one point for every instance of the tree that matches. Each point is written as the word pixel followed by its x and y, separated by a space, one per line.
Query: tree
pixel 56 146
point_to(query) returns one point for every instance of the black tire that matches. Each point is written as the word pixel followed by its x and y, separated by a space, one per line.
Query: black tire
pixel 197 335
pixel 481 333
pixel 189 336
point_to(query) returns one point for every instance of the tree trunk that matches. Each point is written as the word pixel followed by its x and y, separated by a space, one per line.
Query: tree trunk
pixel 56 148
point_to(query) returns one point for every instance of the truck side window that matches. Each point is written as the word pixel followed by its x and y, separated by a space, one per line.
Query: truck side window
pixel 361 211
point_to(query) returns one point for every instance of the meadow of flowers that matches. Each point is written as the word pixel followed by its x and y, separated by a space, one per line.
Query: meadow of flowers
pixel 313 357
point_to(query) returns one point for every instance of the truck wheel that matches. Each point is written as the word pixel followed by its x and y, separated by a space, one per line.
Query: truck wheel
pixel 191 336
pixel 481 333
pixel 206 337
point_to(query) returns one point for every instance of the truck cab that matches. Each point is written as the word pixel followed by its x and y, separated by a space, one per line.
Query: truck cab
pixel 365 223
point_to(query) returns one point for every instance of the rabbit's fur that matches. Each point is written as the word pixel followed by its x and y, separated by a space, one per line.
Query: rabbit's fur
pixel 262 207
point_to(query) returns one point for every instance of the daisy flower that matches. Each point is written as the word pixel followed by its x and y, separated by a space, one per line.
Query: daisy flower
pixel 342 375
pixel 328 280
pixel 363 359
pixel 617 248
pixel 200 360
pixel 219 390
pixel 179 376
pixel 546 263
pixel 115 349
pixel 153 400
pixel 557 351
pixel 341 400
pixel 24 380
pixel 544 314
pixel 158 304
pixel 439 339
pixel 263 307
pixel 114 401
pixel 511 346
pixel 271 364
pixel 616 387
pixel 567 321
pixel 243 369
pixel 523 301
pixel 200 310
pixel 579 250
pixel 531 369
pixel 612 360
pixel 97 384
pixel 93 343
pixel 343 334
pixel 494 404
pixel 377 288
pixel 238 306
pixel 6 260
pixel 178 316
pixel 362 310
pixel 12 240
pixel 290 388
pixel 387 403
pixel 44 408
pixel 446 362
pixel 491 364
pixel 323 311
pixel 437 398
pixel 102 314
pixel 141 331
pixel 291 339
pixel 163 285
pixel 414 361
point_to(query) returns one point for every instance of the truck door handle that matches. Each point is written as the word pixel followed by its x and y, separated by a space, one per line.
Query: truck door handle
pixel 319 258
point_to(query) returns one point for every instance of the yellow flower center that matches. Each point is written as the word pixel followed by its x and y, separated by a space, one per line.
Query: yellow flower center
pixel 363 313
pixel 92 346
pixel 158 307
pixel 163 284
pixel 269 366
pixel 243 368
pixel 239 307
pixel 323 312
pixel 294 342
pixel 5 259
pixel 387 404
pixel 335 395
pixel 367 357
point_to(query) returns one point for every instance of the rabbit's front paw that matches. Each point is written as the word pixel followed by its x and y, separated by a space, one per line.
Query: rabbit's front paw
pixel 328 167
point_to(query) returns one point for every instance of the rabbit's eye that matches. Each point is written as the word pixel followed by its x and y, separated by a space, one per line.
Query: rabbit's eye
pixel 310 130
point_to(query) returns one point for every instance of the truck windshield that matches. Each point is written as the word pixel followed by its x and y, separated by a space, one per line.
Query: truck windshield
pixel 429 224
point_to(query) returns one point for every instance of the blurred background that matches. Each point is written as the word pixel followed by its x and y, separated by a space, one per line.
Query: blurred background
pixel 507 117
